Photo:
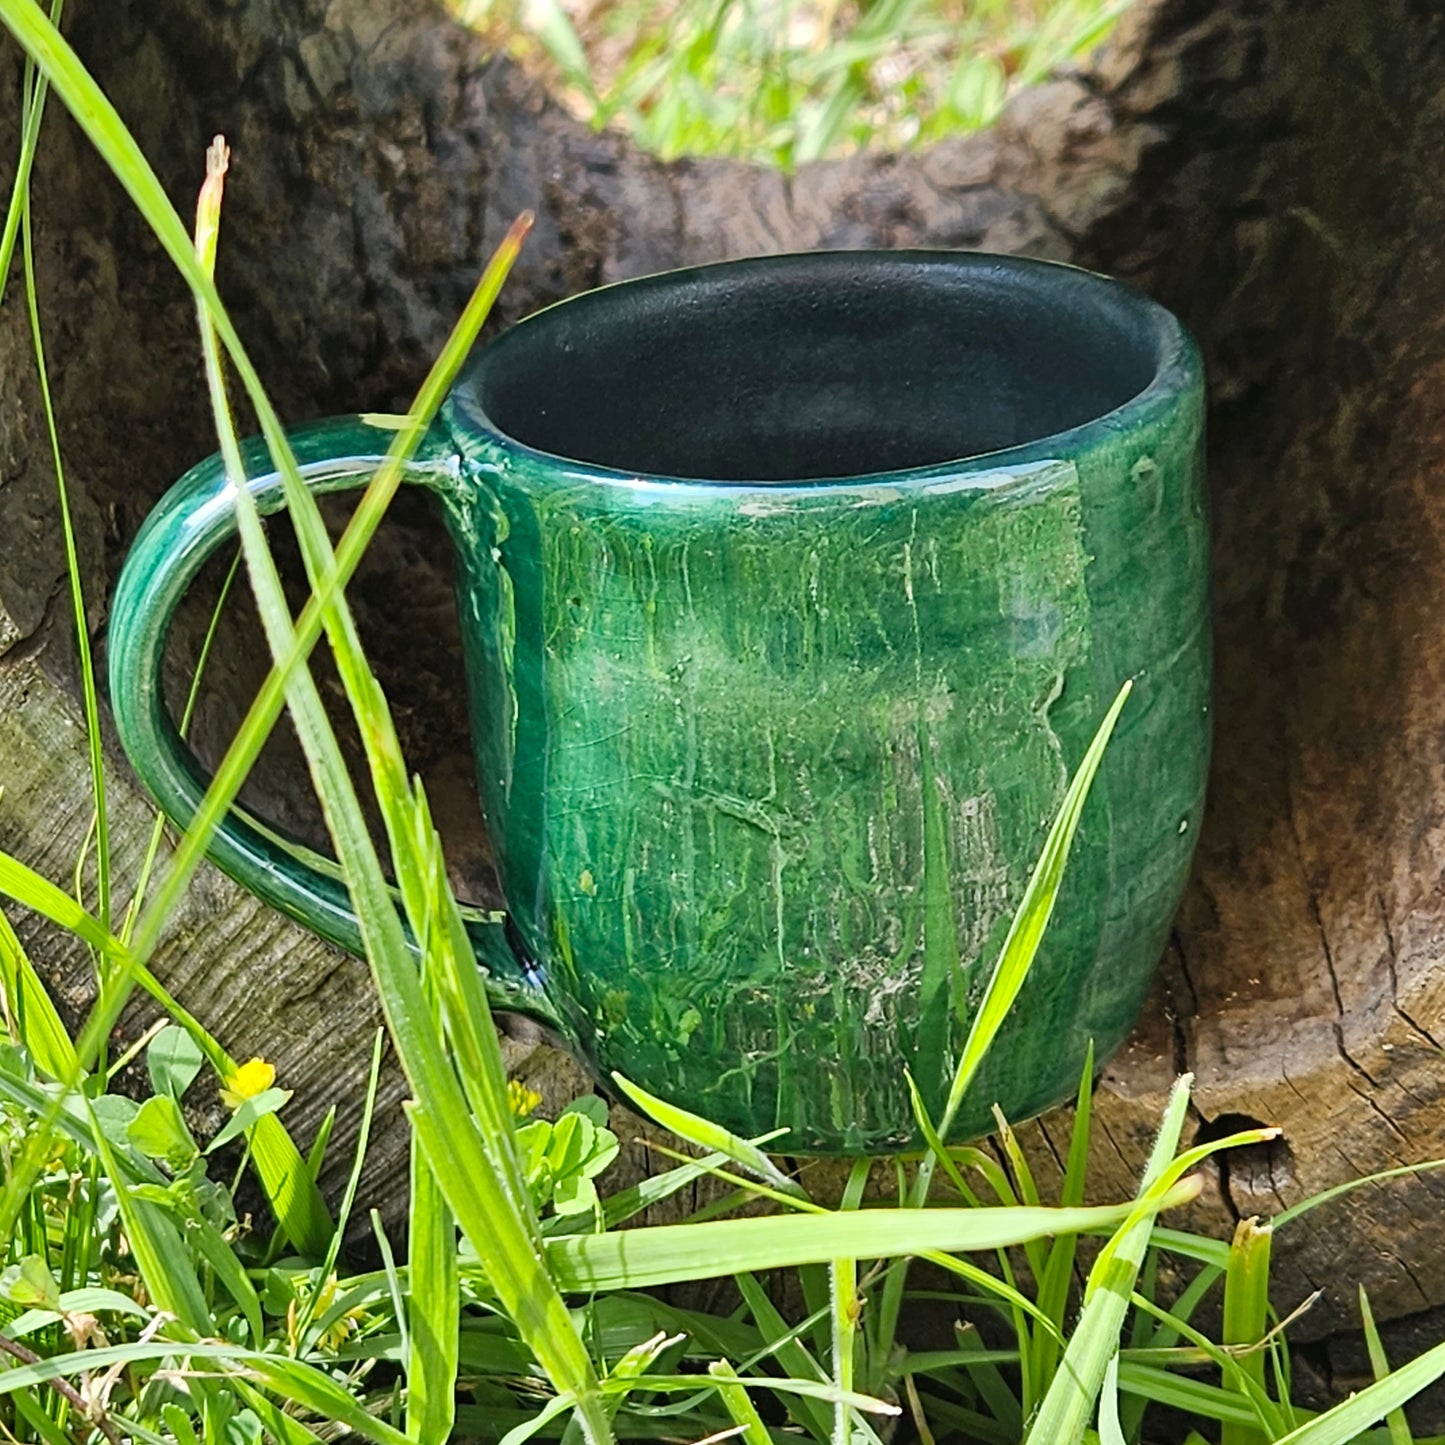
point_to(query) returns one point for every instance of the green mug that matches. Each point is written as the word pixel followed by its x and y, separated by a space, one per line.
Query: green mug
pixel 792 590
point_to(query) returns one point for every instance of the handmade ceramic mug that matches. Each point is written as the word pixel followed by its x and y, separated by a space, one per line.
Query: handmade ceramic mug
pixel 791 591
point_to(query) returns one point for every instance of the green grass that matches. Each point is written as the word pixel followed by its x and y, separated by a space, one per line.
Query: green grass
pixel 137 1304
pixel 782 82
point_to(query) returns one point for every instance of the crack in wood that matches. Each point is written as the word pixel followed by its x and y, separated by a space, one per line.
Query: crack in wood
pixel 1411 1276
pixel 1312 904
pixel 1048 1140
pixel 1389 1122
pixel 1391 958
pixel 1339 1033
pixel 1178 1032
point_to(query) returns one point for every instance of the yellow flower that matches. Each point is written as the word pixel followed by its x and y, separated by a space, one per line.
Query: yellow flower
pixel 253 1077
pixel 522 1099
pixel 337 1332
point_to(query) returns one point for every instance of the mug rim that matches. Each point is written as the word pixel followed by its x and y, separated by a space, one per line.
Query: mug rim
pixel 1178 368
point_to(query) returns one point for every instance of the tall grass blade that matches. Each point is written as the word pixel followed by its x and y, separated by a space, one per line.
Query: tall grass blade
pixel 1111 1429
pixel 35 92
pixel 1015 959
pixel 348 1198
pixel 29 1010
pixel 673 1253
pixel 1066 1408
pixel 1059 1269
pixel 433 1312
pixel 845 1308
pixel 1246 1312
pixel 484 1191
pixel 790 1352
pixel 1270 1417
pixel 1395 1421
pixel 160 1252
pixel 739 1406
pixel 708 1136
pixel 1349 1419
pixel 89 696
pixel 1032 918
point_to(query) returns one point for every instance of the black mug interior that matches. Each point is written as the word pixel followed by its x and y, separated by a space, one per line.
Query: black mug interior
pixel 831 364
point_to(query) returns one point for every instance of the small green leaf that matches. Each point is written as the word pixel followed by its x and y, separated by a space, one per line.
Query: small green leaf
pixel 252 1111
pixel 590 1106
pixel 30 1283
pixel 173 1060
pixel 576 1194
pixel 533 1140
pixel 605 1149
pixel 114 1113
pixel 75 1301
pixel 243 1428
pixel 570 1144
pixel 178 1422
pixel 159 1131
pixel 278 1291
pixel 43 1032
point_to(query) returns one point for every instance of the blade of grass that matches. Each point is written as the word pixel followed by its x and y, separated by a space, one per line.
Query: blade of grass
pixel 673 1253
pixel 738 1405
pixel 1179 1392
pixel 1164 1335
pixel 393 1282
pixel 1347 1420
pixel 993 1389
pixel 1027 930
pixel 1069 1403
pixel 845 1309
pixel 160 1253
pixel 628 1203
pixel 1395 1421
pixel 1015 958
pixel 708 1136
pixel 29 1008
pixel 213 1247
pixel 478 1172
pixel 818 1390
pixel 523 1432
pixel 790 1352
pixel 1111 1430
pixel 433 1311
pixel 1246 1310
pixel 1059 1268
pixel 36 90
pixel 348 1198
pixel 1268 1417
pixel 89 697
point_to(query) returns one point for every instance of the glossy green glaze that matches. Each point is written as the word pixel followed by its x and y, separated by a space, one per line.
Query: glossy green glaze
pixel 773 698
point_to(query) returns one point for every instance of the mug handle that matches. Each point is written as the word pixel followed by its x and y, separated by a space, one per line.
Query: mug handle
pixel 191 521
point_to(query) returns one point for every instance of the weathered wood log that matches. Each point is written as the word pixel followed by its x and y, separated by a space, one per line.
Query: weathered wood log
pixel 1267 169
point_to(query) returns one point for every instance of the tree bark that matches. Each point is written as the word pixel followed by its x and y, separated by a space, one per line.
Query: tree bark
pixel 1266 168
